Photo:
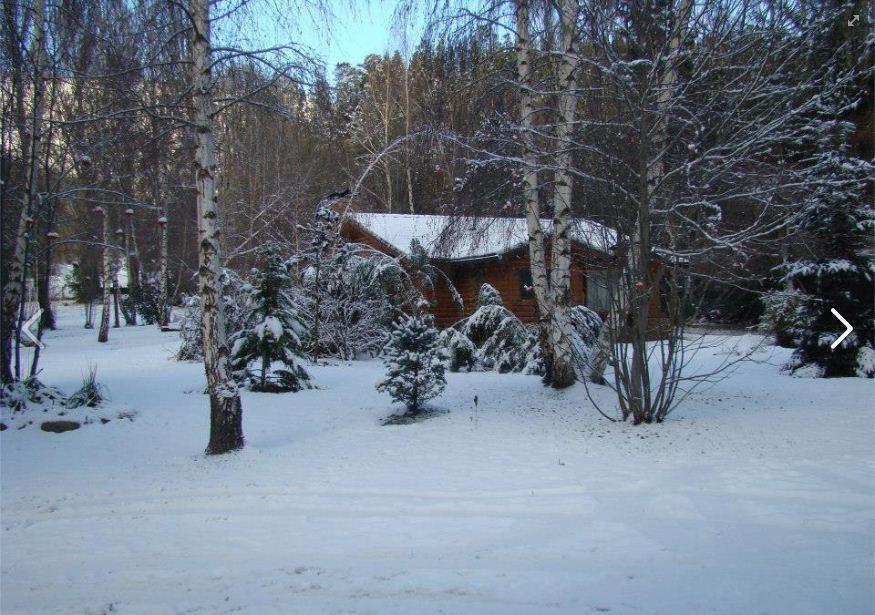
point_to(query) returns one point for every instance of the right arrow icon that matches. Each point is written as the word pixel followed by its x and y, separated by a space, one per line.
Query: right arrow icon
pixel 848 329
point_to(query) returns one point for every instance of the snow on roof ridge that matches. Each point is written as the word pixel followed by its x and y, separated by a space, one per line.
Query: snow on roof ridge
pixel 489 235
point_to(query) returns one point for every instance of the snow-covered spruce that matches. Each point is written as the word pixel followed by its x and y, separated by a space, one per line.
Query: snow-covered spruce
pixel 839 221
pixel 414 361
pixel 586 326
pixel 459 350
pixel 503 349
pixel 266 352
pixel 783 317
pixel 501 342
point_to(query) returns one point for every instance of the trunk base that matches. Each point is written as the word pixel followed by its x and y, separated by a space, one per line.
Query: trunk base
pixel 561 375
pixel 226 424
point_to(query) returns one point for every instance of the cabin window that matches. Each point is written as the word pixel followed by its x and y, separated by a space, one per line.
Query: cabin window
pixel 599 286
pixel 526 289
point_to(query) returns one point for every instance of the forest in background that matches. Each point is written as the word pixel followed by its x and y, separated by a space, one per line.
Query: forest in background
pixel 301 137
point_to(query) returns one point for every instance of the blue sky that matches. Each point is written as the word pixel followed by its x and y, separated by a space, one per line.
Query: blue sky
pixel 356 30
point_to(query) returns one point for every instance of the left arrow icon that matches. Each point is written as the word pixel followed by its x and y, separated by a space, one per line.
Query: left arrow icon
pixel 848 328
pixel 25 328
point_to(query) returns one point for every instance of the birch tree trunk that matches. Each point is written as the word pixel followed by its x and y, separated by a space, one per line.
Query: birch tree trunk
pixel 106 282
pixel 386 127
pixel 562 369
pixel 530 173
pixel 136 270
pixel 551 287
pixel 410 204
pixel 44 273
pixel 13 291
pixel 226 411
pixel 133 282
pixel 163 307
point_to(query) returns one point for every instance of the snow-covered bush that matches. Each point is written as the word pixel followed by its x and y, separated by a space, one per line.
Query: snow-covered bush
pixel 348 291
pixel 501 340
pixel 486 320
pixel 459 349
pixel 504 344
pixel 265 354
pixel 865 364
pixel 491 338
pixel 586 324
pixel 234 297
pixel 359 306
pixel 533 359
pixel 414 361
pixel 783 317
pixel 192 347
pixel 20 394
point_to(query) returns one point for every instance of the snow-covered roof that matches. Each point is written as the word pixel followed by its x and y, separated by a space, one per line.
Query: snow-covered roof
pixel 468 237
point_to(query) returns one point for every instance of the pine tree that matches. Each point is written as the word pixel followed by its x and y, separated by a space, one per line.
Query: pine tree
pixel 840 276
pixel 273 334
pixel 414 361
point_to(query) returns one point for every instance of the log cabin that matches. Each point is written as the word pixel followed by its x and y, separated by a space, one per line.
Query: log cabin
pixel 472 251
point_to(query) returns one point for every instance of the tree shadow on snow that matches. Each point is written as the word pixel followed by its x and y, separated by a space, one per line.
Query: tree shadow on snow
pixel 407 418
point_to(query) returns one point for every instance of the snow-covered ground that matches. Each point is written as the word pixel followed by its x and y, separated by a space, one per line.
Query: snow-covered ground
pixel 756 497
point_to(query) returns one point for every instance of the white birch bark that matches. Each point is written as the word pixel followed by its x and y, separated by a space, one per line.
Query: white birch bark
pixel 13 291
pixel 551 287
pixel 105 282
pixel 226 430
pixel 409 174
pixel 530 173
pixel 386 126
pixel 163 299
pixel 562 370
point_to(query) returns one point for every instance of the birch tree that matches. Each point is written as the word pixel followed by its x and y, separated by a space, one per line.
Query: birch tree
pixel 551 286
pixel 226 411
pixel 30 132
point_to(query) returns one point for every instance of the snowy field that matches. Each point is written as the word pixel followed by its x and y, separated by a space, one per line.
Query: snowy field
pixel 755 497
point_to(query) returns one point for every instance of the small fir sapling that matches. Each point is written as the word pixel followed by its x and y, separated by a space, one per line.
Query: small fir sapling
pixel 414 361
pixel 143 300
pixel 265 354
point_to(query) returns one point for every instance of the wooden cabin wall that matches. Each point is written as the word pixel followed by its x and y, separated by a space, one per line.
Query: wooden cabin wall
pixel 502 273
